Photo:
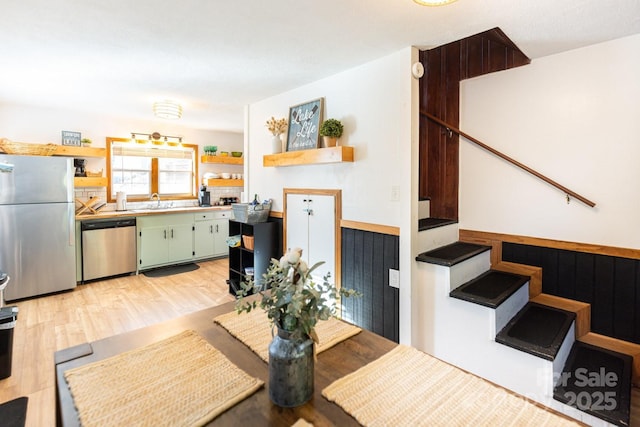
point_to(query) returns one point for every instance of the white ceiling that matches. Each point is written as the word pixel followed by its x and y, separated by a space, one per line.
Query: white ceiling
pixel 215 56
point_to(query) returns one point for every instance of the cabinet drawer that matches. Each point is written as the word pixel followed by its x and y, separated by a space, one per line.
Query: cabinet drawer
pixel 204 216
pixel 222 214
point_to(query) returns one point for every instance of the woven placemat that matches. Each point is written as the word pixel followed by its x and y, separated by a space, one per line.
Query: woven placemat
pixel 254 330
pixel 179 381
pixel 408 387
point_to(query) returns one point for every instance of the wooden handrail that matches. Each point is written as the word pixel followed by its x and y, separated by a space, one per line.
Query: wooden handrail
pixel 535 173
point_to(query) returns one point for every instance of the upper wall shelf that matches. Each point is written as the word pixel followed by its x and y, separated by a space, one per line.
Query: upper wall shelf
pixel 308 157
pixel 71 151
pixel 225 183
pixel 228 160
pixel 90 181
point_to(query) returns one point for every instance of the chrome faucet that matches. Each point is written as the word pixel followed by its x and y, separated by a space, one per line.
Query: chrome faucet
pixel 155 195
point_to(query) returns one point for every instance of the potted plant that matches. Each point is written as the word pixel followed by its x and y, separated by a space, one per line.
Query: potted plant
pixel 294 303
pixel 210 150
pixel 86 142
pixel 331 130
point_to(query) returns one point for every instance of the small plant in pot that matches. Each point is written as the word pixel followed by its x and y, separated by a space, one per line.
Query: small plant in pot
pixel 294 304
pixel 331 130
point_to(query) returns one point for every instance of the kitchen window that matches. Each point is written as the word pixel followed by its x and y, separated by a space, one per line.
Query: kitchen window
pixel 141 169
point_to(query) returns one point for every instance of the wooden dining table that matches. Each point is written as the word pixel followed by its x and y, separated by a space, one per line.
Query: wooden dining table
pixel 257 409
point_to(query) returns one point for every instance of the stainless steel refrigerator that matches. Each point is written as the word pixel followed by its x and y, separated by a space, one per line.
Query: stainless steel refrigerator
pixel 37 225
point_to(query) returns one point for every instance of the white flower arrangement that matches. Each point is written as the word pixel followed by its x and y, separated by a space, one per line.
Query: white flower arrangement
pixel 277 127
pixel 292 300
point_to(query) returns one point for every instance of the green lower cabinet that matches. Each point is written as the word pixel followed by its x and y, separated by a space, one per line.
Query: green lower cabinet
pixel 154 246
pixel 164 239
pixel 210 234
pixel 175 238
pixel 220 243
pixel 180 242
pixel 203 239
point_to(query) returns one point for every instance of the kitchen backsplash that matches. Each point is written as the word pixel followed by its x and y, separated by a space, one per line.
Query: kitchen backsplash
pixel 84 193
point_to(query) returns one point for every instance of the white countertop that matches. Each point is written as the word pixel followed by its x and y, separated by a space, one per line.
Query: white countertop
pixel 145 212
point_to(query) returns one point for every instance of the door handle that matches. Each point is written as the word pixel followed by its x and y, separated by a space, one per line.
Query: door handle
pixel 172 233
pixel 217 230
pixel 165 234
pixel 211 229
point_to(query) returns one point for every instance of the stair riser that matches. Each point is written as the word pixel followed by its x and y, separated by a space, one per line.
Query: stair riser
pixel 437 237
pixel 505 311
pixel 469 269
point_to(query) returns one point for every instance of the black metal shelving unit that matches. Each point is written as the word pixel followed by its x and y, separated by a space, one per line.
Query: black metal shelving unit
pixel 265 247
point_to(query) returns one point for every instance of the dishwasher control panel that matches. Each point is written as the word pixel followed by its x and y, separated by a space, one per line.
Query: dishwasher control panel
pixel 97 224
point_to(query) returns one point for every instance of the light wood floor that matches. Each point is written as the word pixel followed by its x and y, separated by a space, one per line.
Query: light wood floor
pixel 93 311
pixel 104 308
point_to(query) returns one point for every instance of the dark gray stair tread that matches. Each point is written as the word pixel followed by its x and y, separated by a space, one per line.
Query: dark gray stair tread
pixel 537 329
pixel 452 254
pixel 491 288
pixel 587 383
pixel 429 223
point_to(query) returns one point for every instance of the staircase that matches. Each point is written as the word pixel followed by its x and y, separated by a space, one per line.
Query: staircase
pixel 492 323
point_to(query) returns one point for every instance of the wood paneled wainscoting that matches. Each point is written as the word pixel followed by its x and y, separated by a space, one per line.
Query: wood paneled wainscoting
pixel 368 252
pixel 604 277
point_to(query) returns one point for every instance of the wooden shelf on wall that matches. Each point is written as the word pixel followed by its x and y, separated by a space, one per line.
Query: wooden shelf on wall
pixel 98 181
pixel 71 151
pixel 227 160
pixel 308 157
pixel 225 182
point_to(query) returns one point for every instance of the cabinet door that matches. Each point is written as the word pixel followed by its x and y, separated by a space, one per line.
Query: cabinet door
pixel 311 226
pixel 221 231
pixel 180 242
pixel 297 223
pixel 204 238
pixel 322 245
pixel 154 246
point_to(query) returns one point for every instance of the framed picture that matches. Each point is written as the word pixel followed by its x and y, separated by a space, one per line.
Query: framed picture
pixel 71 138
pixel 304 124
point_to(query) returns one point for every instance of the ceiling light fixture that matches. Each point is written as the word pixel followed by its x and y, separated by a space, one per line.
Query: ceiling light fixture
pixel 167 109
pixel 155 137
pixel 433 2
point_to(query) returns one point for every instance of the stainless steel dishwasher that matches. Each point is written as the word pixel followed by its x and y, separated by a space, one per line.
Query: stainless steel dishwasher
pixel 108 247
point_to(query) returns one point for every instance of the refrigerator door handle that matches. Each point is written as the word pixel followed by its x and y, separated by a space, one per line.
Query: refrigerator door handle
pixel 6 167
pixel 72 227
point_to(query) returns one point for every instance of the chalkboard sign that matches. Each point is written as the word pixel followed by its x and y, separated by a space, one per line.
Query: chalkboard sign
pixel 71 138
pixel 304 124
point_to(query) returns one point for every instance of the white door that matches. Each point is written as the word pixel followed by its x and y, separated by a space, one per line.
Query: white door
pixel 322 244
pixel 311 226
pixel 297 224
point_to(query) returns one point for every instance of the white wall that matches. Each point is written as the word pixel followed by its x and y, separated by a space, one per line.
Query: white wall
pixel 377 104
pixel 573 117
pixel 44 125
